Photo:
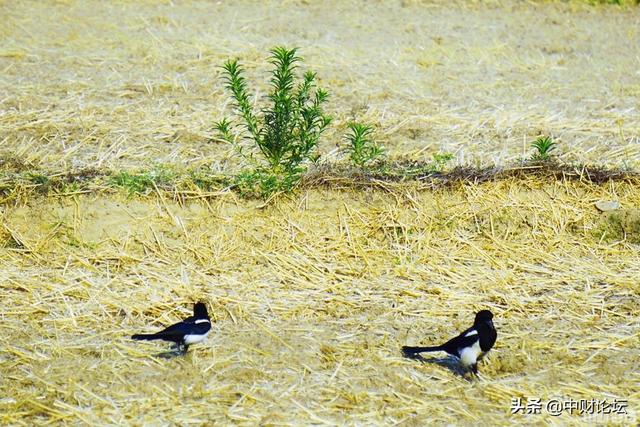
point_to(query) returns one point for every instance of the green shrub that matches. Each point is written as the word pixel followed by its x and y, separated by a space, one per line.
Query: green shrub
pixel 285 132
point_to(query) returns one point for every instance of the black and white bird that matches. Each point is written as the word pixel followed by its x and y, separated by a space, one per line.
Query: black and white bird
pixel 470 346
pixel 191 330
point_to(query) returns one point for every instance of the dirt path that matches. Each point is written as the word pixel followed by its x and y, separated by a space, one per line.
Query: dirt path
pixel 127 84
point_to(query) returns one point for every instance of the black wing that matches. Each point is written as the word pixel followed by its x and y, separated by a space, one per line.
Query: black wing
pixel 455 344
pixel 187 327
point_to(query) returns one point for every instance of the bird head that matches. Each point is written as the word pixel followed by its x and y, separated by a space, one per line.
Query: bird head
pixel 484 316
pixel 200 310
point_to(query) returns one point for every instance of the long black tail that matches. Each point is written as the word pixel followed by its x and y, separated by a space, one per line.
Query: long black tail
pixel 413 351
pixel 146 337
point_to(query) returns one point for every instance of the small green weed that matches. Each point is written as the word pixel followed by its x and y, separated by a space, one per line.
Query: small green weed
pixel 286 132
pixel 362 149
pixel 440 160
pixel 38 178
pixel 543 145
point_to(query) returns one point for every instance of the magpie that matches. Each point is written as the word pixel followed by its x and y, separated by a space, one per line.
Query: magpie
pixel 470 346
pixel 191 330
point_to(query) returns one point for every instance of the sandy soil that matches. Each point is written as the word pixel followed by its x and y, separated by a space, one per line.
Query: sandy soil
pixel 133 83
pixel 312 299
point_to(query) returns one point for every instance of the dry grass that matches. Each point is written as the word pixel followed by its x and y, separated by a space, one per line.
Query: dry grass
pixel 312 299
pixel 131 83
pixel 314 295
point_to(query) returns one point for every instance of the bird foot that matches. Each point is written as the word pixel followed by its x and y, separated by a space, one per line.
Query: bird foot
pixel 169 354
pixel 177 350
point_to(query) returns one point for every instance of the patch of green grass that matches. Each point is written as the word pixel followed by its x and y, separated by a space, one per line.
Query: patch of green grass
pixel 614 2
pixel 261 183
pixel 285 132
pixel 37 178
pixel 69 187
pixel 132 182
pixel 410 170
pixel 142 182
pixel 361 147
pixel 42 182
pixel 205 180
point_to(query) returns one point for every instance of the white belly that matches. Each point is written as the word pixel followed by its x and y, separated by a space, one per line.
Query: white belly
pixel 192 339
pixel 469 356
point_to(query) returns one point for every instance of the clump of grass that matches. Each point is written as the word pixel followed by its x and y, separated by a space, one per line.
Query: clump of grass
pixel 142 182
pixel 262 183
pixel 38 178
pixel 543 145
pixel 205 179
pixel 361 147
pixel 284 133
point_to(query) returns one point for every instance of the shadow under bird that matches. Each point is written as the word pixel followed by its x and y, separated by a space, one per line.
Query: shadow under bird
pixel 469 347
pixel 191 330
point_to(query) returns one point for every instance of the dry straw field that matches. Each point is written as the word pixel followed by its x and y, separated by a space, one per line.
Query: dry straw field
pixel 313 293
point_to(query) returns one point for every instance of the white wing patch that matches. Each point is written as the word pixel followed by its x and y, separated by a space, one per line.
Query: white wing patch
pixel 206 321
pixel 468 334
pixel 469 355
